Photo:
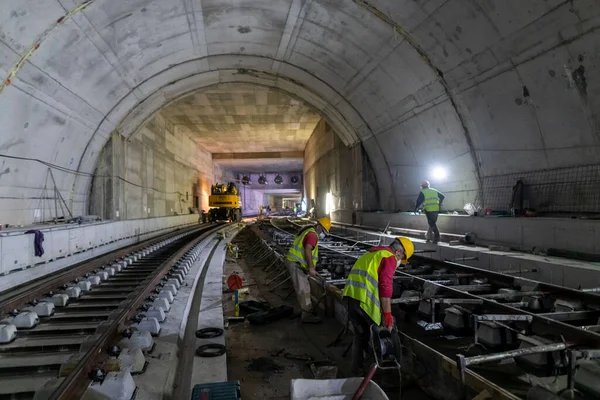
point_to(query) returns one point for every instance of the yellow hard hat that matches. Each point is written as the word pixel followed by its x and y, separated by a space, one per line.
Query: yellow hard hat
pixel 325 223
pixel 409 247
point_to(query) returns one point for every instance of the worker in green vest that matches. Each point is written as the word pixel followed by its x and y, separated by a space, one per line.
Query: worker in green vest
pixel 369 289
pixel 301 261
pixel 431 200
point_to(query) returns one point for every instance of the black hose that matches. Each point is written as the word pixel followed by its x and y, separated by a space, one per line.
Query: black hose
pixel 209 333
pixel 208 350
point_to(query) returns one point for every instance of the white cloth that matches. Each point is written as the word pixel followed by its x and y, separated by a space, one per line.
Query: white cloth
pixel 301 285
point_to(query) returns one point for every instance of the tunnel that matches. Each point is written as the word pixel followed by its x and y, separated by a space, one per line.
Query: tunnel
pixel 120 119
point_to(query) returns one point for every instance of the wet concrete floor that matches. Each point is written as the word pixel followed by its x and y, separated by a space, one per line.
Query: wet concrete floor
pixel 282 347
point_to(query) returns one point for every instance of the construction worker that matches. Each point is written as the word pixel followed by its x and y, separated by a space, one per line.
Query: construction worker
pixel 301 261
pixel 368 290
pixel 431 200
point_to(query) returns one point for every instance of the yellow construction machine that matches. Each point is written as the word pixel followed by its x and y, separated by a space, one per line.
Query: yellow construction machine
pixel 225 203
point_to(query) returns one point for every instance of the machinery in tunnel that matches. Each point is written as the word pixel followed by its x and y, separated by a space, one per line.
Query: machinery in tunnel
pixel 225 203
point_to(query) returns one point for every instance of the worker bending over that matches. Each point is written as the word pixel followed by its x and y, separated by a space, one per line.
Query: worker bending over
pixel 301 260
pixel 431 200
pixel 368 289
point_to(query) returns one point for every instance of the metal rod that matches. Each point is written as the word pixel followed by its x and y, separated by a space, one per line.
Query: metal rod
pixel 503 317
pixel 270 265
pixel 547 348
pixel 464 259
pixel 518 304
pixel 458 301
pixel 518 271
pixel 406 300
pixel 336 281
pixel 272 280
pixel 571 315
pixel 497 296
pixel 281 283
pixel 473 288
pixel 591 328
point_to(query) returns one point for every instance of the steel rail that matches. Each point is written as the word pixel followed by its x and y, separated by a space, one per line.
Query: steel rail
pixel 31 291
pixel 540 322
pixel 75 384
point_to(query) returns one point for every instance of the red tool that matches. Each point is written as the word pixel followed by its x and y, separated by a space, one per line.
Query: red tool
pixel 234 281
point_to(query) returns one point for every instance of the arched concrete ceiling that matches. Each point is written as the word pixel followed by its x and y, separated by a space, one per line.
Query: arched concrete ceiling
pixel 242 118
pixel 481 86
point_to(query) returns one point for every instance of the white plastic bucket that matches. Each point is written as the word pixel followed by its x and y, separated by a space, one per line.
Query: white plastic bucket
pixel 333 389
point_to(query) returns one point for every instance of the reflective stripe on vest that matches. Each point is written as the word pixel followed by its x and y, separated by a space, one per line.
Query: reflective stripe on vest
pixel 296 252
pixel 432 201
pixel 363 283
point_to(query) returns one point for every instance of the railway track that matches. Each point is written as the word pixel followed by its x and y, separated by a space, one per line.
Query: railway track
pixel 488 322
pixel 60 332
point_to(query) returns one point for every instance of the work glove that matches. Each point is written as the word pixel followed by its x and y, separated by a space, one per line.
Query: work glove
pixel 388 319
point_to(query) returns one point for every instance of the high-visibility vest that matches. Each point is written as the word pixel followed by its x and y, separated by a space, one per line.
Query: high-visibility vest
pixel 432 201
pixel 362 283
pixel 296 252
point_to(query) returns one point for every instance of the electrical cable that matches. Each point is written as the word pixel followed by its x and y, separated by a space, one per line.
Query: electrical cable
pixel 87 174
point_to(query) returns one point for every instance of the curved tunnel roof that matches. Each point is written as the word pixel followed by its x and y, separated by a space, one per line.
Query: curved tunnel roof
pixel 483 87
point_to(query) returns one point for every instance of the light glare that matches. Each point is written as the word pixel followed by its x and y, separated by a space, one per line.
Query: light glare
pixel 439 173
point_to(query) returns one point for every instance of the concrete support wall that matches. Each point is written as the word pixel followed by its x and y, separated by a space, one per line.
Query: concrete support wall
pixel 251 200
pixel 70 244
pixel 331 167
pixel 525 233
pixel 160 171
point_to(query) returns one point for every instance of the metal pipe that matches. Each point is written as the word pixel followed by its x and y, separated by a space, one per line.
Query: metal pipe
pixel 498 296
pixel 547 348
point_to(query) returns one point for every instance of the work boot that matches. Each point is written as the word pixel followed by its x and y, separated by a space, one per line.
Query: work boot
pixel 309 318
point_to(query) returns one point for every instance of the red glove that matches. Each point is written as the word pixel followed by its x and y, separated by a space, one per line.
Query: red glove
pixel 388 320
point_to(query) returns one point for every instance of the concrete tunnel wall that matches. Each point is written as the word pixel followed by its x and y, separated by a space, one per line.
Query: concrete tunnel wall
pixel 160 171
pixel 484 89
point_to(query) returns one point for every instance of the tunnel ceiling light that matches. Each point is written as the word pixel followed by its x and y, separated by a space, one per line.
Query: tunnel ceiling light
pixel 278 180
pixel 439 173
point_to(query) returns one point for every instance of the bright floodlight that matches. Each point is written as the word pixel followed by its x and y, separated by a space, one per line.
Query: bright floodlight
pixel 439 173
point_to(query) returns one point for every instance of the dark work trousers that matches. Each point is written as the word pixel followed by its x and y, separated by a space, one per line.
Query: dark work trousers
pixel 432 217
pixel 37 241
pixel 361 325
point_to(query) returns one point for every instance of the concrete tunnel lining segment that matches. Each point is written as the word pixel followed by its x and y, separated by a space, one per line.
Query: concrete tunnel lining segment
pixel 96 70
